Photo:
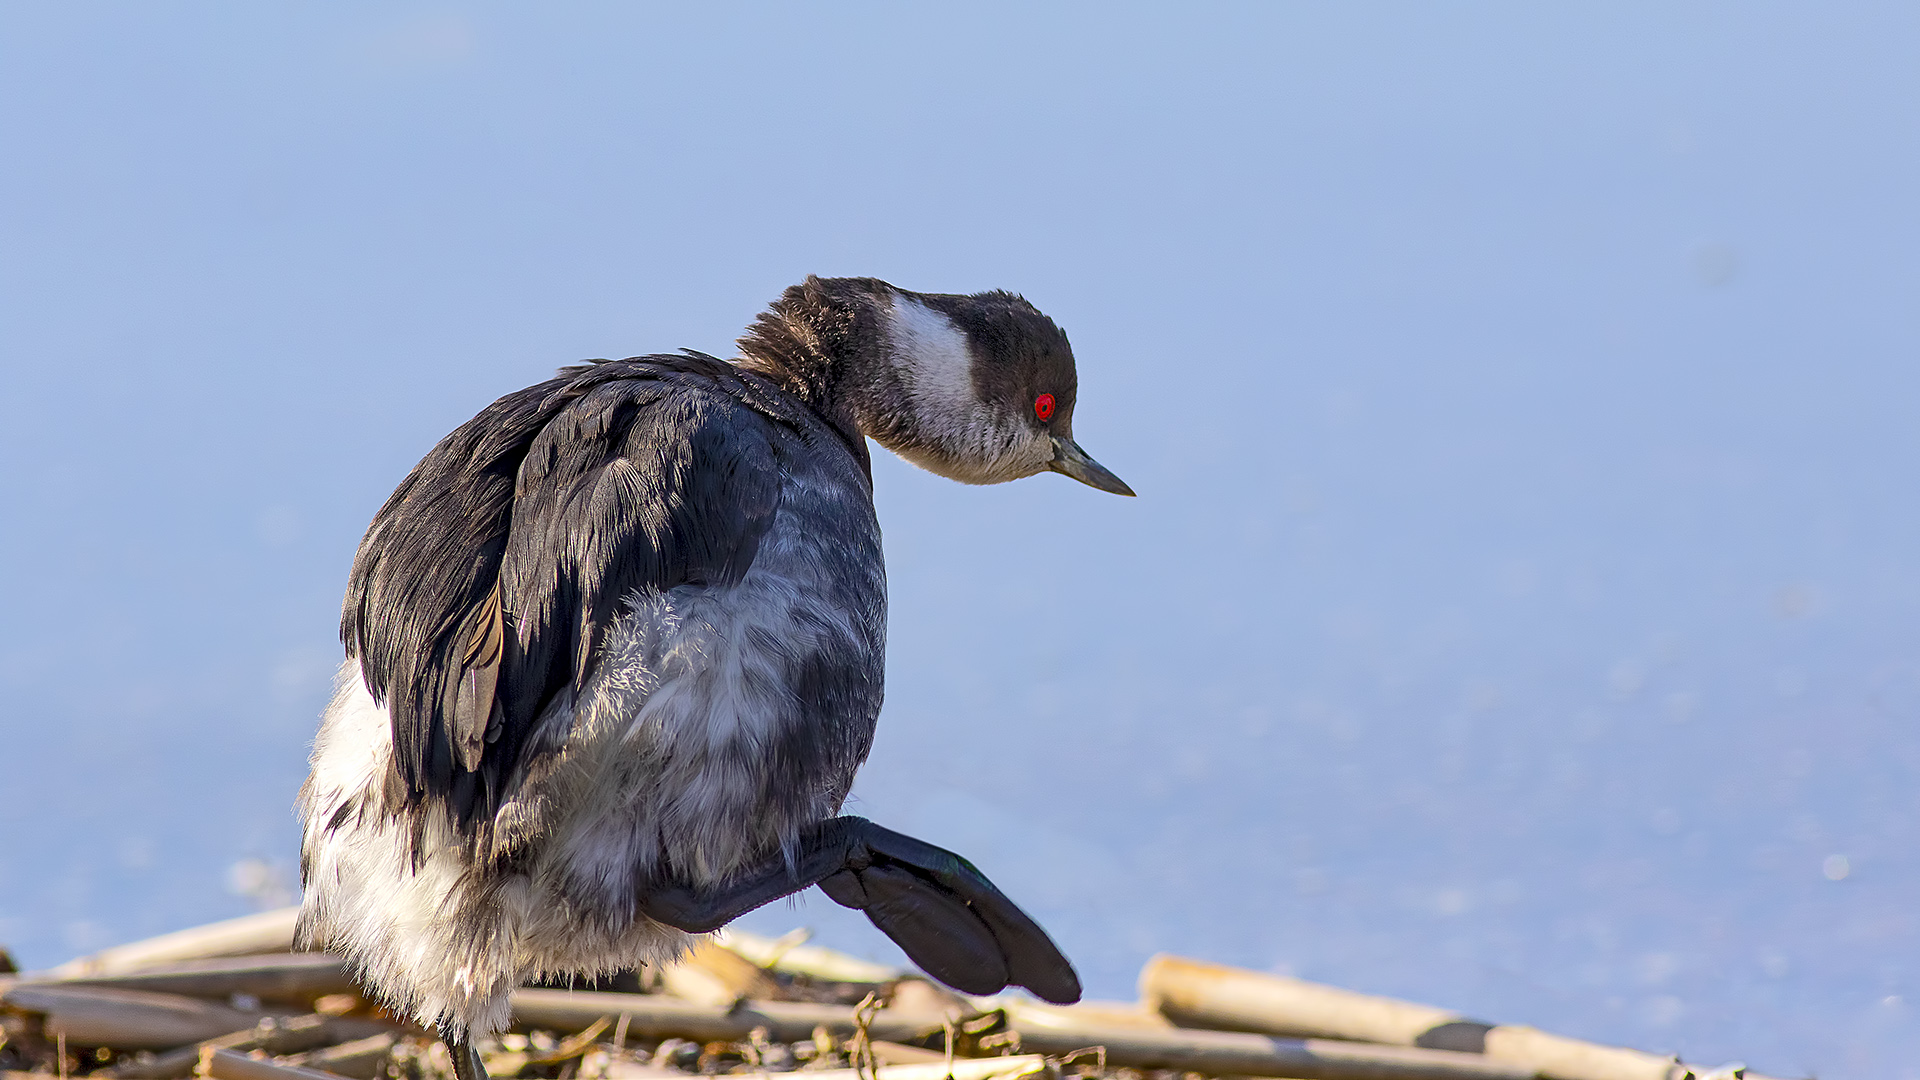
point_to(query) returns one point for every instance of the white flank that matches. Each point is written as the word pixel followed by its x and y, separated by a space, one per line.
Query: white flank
pixel 440 942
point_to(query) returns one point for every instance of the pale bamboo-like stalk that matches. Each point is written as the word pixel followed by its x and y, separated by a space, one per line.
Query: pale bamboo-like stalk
pixel 713 975
pixel 1199 994
pixel 792 955
pixel 233 1065
pixel 125 1019
pixel 1234 1053
pixel 275 1035
pixel 356 1059
pixel 292 977
pixel 265 932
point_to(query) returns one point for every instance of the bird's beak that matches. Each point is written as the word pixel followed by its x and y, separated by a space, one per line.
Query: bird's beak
pixel 1068 458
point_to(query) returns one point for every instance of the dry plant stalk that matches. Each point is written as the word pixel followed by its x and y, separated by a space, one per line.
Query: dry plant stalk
pixel 265 932
pixel 1200 994
pixel 233 1065
pixel 737 1004
pixel 125 1019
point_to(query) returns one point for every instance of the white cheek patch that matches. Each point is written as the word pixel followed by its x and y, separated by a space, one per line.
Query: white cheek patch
pixel 970 443
pixel 932 353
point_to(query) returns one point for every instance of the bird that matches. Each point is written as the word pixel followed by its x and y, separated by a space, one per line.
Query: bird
pixel 615 647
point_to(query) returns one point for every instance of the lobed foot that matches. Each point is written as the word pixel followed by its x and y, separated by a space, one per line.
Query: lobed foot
pixel 938 907
pixel 944 914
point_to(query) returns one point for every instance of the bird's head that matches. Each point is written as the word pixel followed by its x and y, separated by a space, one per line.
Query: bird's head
pixel 977 388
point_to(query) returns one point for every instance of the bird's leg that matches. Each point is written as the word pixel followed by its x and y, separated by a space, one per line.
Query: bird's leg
pixel 466 1060
pixel 939 908
pixel 823 851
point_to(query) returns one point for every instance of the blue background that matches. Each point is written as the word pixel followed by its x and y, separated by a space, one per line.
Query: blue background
pixel 1520 611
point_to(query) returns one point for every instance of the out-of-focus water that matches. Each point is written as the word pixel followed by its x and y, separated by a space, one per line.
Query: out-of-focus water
pixel 1521 612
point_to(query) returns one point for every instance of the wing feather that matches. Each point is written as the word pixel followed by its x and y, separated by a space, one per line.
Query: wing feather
pixel 485 586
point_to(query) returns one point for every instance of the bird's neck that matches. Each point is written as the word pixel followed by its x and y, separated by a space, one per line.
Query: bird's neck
pixel 828 343
pixel 882 363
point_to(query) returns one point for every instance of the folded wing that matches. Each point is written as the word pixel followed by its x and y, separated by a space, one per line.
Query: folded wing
pixel 485 586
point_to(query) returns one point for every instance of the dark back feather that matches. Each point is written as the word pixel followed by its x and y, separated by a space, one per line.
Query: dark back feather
pixel 485 586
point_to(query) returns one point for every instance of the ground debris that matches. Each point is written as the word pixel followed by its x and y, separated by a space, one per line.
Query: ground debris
pixel 230 1001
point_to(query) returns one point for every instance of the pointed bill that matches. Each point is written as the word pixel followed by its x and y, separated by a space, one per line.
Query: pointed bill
pixel 1069 459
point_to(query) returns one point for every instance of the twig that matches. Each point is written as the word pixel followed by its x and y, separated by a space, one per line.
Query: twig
pixel 947 1029
pixel 572 1046
pixel 860 1050
pixel 1099 1058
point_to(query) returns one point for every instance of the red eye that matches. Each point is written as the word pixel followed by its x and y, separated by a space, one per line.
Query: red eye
pixel 1043 407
